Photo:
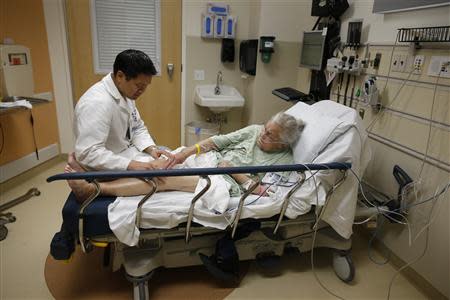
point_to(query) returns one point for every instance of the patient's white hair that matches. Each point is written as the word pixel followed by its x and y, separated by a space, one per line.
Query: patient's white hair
pixel 291 127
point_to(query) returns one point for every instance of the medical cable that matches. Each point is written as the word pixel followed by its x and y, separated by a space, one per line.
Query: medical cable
pixel 427 226
pixel 259 196
pixel 379 209
pixel 390 104
pixel 346 89
pixel 370 246
pixel 315 227
pixel 444 190
pixel 430 218
pixel 430 126
pixel 385 85
pixel 436 197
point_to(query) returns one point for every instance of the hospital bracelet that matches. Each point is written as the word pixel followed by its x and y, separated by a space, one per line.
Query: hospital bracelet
pixel 197 146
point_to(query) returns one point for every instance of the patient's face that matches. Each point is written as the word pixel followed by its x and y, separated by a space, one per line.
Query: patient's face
pixel 269 139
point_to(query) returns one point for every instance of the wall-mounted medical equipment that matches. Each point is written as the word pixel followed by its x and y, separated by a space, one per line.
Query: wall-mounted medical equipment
pixel 217 22
pixel 371 93
pixel 230 27
pixel 16 76
pixel 227 52
pixel 351 65
pixel 207 26
pixel 325 8
pixel 248 51
pixel 354 33
pixel 219 26
pixel 266 47
pixel 424 34
pixel 439 66
pixel 219 9
pixel 313 47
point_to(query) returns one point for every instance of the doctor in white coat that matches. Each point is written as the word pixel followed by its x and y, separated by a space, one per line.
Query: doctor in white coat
pixel 109 132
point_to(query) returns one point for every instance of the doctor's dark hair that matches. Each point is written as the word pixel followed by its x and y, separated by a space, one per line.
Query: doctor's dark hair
pixel 290 127
pixel 133 63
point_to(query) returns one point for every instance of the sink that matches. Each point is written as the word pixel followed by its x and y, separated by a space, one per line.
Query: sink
pixel 228 98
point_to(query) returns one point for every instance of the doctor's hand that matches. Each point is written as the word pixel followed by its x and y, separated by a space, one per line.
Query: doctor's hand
pixel 156 153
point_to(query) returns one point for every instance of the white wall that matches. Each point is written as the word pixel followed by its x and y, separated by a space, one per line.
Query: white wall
pixel 286 20
pixel 416 99
pixel 382 28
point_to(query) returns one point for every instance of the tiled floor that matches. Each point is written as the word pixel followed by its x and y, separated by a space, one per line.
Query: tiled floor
pixel 23 254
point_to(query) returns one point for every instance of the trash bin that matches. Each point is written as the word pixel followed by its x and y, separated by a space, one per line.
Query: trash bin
pixel 196 131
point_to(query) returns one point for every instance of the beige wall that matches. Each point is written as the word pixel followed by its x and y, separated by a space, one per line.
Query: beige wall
pixel 415 99
pixel 286 20
pixel 255 18
pixel 23 21
pixel 204 54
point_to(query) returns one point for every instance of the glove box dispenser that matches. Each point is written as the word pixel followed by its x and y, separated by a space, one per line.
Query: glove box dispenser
pixel 248 52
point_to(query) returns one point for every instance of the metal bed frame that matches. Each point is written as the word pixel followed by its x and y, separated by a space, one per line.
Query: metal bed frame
pixel 181 246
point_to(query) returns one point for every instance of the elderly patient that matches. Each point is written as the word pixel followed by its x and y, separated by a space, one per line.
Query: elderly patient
pixel 253 145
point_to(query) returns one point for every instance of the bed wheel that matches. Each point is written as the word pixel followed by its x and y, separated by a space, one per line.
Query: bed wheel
pixel 140 286
pixel 140 291
pixel 343 265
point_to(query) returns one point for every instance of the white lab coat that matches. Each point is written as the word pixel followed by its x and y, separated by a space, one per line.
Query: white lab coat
pixel 102 119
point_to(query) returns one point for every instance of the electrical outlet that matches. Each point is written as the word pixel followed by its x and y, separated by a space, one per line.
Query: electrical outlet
pixel 395 63
pixel 419 60
pixel 199 75
pixel 402 60
pixel 439 66
pixel 445 69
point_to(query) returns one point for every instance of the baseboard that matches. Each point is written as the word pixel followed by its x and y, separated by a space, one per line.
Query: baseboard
pixel 409 273
pixel 16 167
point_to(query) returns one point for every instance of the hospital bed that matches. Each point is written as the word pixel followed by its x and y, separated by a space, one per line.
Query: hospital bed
pixel 316 210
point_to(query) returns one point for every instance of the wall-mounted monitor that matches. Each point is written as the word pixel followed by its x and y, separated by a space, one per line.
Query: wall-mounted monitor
pixel 389 6
pixel 311 56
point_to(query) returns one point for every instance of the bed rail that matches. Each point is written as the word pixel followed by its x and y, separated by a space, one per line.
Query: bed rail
pixel 203 173
pixel 198 171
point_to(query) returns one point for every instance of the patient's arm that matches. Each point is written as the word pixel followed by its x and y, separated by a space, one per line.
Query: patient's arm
pixel 203 147
pixel 242 179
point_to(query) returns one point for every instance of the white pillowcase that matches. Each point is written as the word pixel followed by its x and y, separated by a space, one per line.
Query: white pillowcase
pixel 319 131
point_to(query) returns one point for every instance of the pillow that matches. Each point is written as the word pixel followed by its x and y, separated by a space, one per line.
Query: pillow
pixel 319 131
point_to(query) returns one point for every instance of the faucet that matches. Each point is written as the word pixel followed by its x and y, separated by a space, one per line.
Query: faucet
pixel 218 83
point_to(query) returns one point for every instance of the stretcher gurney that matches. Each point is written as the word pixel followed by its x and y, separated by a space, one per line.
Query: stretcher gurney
pixel 333 134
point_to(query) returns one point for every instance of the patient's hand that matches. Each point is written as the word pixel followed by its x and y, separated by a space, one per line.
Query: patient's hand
pixel 177 158
pixel 225 164
pixel 261 190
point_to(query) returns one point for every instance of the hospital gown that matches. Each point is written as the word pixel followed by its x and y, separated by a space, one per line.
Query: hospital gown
pixel 240 149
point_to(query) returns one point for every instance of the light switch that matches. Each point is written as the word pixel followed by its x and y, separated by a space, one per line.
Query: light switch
pixel 199 74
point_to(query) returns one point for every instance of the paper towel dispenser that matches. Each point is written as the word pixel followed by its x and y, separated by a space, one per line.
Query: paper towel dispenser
pixel 248 52
pixel 16 74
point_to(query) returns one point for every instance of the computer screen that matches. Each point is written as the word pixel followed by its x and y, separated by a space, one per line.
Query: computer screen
pixel 311 56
